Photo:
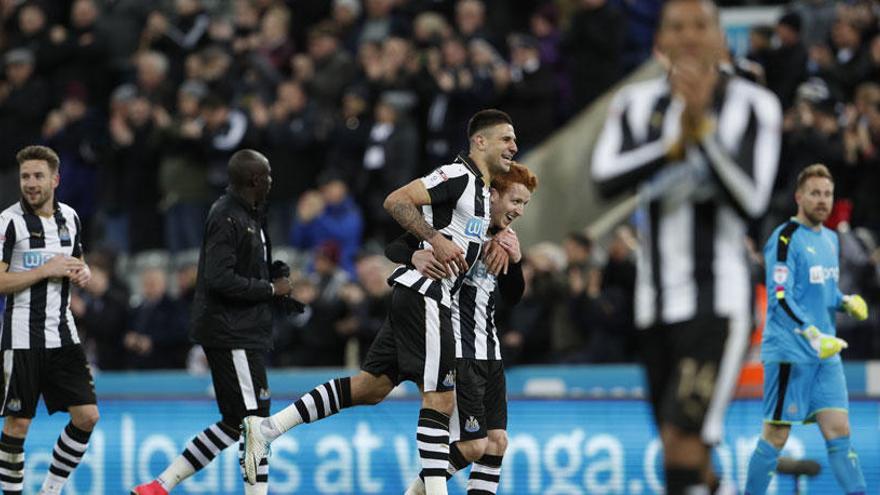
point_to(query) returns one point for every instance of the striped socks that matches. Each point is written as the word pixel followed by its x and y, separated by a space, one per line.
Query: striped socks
pixel 432 438
pixel 261 487
pixel 322 401
pixel 485 475
pixel 198 453
pixel 68 452
pixel 11 464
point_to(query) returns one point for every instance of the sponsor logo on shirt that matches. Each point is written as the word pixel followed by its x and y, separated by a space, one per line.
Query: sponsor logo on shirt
pixel 474 228
pixel 36 259
pixel 819 274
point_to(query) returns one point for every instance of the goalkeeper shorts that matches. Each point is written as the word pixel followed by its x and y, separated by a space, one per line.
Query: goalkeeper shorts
pixel 795 392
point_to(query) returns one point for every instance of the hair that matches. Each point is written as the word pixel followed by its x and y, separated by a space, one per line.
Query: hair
pixel 710 3
pixel 518 174
pixel 37 152
pixel 580 239
pixel 243 165
pixel 487 118
pixel 814 170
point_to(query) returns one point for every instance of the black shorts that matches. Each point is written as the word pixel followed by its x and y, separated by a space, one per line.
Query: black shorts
pixel 415 343
pixel 61 375
pixel 240 383
pixel 480 399
pixel 692 370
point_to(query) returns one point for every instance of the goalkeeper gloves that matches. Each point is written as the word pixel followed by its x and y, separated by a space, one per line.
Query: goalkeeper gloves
pixel 855 306
pixel 825 345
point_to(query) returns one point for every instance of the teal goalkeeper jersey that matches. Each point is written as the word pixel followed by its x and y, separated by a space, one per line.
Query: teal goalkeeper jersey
pixel 802 271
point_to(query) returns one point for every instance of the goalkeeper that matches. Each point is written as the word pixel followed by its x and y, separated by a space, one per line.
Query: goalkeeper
pixel 803 373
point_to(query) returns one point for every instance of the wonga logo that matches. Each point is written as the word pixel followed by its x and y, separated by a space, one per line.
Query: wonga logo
pixel 35 259
pixel 474 227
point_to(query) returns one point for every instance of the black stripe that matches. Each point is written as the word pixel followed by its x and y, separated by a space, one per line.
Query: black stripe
pixel 433 440
pixel 491 342
pixel 6 338
pixel 478 475
pixel 67 449
pixel 467 308
pixel 472 255
pixel 479 203
pixel 328 387
pixel 432 415
pixel 38 314
pixel 434 473
pixel 11 479
pixel 64 331
pixel 479 492
pixel 319 403
pixel 193 460
pixel 435 290
pixel 784 372
pixel 786 233
pixel 419 283
pixel 9 242
pixel 654 225
pixel 745 156
pixel 444 199
pixel 59 472
pixel 62 228
pixel 60 460
pixel 303 411
pixel 429 454
pixel 490 460
pixel 262 478
pixel 628 142
pixel 213 438
pixel 785 307
pixel 204 449
pixel 12 466
pixel 657 117
pixel 77 240
pixel 704 256
pixel 35 231
pixel 344 388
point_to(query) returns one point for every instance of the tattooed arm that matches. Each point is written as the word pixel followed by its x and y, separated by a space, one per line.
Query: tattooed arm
pixel 403 205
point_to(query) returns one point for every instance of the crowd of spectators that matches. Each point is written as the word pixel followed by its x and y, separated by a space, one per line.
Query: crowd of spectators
pixel 349 99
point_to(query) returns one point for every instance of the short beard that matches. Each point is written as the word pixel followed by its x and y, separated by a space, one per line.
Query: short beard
pixel 816 219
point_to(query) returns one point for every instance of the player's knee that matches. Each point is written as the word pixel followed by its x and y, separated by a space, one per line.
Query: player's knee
pixel 497 442
pixel 87 420
pixel 367 389
pixel 837 430
pixel 438 401
pixel 472 450
pixel 16 427
pixel 776 435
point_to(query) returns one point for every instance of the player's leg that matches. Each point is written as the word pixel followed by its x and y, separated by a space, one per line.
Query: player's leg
pixel 21 392
pixel 68 387
pixel 486 472
pixel 376 380
pixel 710 352
pixel 831 404
pixel 787 388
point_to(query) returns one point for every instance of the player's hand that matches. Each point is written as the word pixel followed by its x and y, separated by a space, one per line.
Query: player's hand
pixel 855 306
pixel 495 257
pixel 281 286
pixel 508 239
pixel 448 253
pixel 81 277
pixel 61 266
pixel 427 264
pixel 825 345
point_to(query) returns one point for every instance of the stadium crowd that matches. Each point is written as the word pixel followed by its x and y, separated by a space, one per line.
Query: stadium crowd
pixel 350 100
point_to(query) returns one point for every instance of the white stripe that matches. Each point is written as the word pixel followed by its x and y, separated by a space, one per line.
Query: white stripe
pixel 326 400
pixel 64 455
pixel 456 324
pixel 431 432
pixel 309 402
pixel 195 451
pixel 432 345
pixel 728 373
pixel 263 468
pixel 488 486
pixel 73 444
pixel 226 439
pixel 208 443
pixel 481 305
pixel 243 372
pixel 332 385
pixel 676 246
pixel 482 468
pixel 10 457
pixel 433 447
pixel 646 293
pixel 732 279
pixel 454 425
pixel 9 472
pixel 21 320
pixel 8 361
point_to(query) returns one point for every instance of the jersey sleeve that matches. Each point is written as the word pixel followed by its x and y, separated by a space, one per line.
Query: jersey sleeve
pixel 784 251
pixel 77 240
pixel 7 238
pixel 445 184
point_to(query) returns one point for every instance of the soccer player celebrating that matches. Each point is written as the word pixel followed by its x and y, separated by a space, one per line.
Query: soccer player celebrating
pixel 42 355
pixel 803 374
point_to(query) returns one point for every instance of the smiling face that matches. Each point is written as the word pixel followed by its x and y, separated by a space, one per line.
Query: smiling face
pixel 38 183
pixel 509 205
pixel 814 199
pixel 497 144
pixel 689 30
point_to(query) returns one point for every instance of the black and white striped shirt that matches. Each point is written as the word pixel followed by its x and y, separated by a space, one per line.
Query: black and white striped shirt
pixel 459 210
pixel 692 259
pixel 38 317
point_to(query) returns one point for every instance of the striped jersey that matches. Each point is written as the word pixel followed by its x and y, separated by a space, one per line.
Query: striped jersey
pixel 39 316
pixel 802 272
pixel 692 258
pixel 459 210
pixel 473 315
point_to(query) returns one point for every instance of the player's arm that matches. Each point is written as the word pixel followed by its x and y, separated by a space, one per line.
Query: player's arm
pixel 852 304
pixel 404 205
pixel 220 261
pixel 784 253
pixel 621 160
pixel 406 251
pixel 57 267
pixel 747 174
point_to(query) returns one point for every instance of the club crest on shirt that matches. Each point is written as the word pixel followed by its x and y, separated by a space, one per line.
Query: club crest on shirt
pixel 265 394
pixel 780 274
pixel 471 425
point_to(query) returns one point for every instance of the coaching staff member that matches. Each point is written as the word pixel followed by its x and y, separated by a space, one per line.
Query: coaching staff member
pixel 232 316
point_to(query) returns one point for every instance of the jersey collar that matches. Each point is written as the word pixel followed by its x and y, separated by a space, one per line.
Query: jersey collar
pixel 466 161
